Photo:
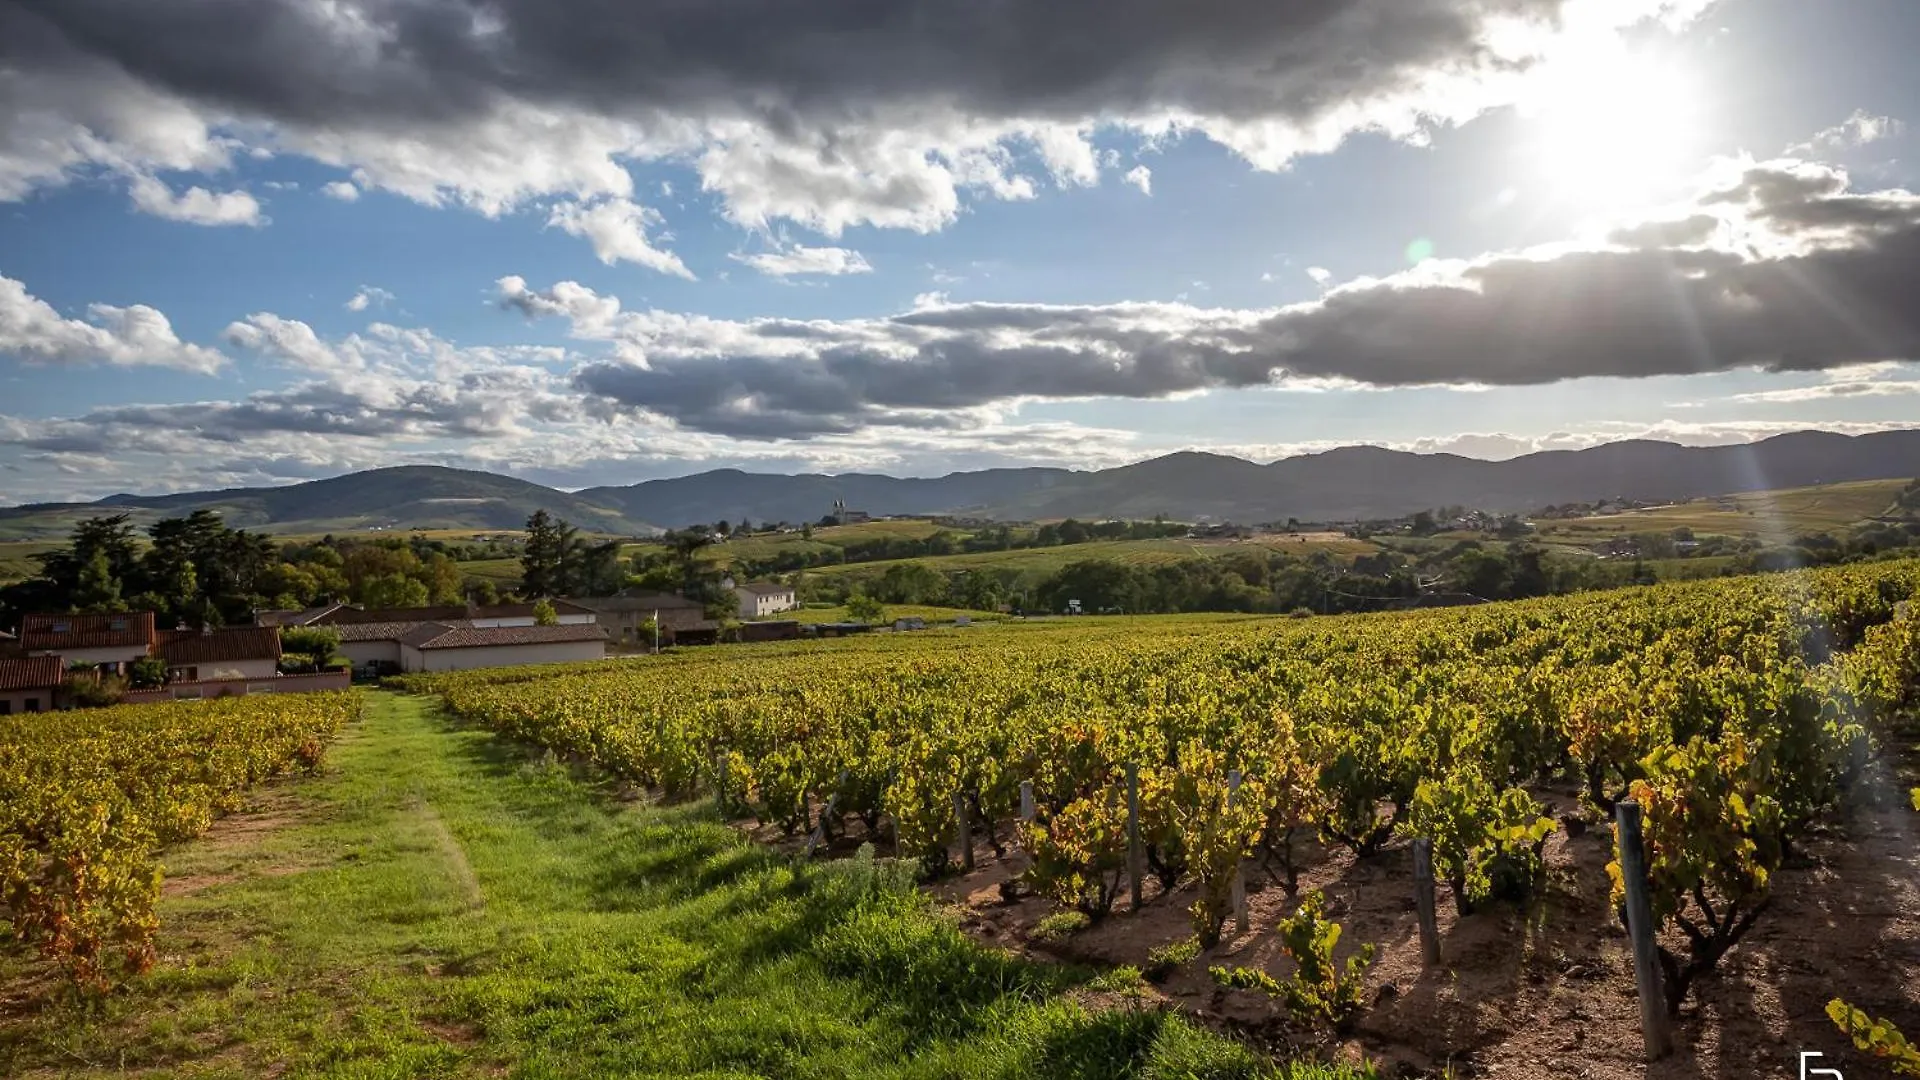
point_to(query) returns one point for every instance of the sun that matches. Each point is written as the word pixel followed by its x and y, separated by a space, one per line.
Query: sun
pixel 1610 132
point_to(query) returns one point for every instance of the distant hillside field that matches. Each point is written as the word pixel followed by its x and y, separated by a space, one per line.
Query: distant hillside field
pixel 1048 560
pixel 1766 514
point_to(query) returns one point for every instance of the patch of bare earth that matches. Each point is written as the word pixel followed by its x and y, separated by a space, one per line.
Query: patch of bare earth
pixel 232 848
pixel 1547 991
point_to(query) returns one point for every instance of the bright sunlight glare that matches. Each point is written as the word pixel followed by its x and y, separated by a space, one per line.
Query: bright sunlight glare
pixel 1612 132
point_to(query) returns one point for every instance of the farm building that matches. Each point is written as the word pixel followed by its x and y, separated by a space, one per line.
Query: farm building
pixel 625 617
pixel 29 685
pixel 107 643
pixel 439 647
pixel 763 598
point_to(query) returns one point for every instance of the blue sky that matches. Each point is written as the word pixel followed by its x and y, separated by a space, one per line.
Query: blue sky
pixel 244 255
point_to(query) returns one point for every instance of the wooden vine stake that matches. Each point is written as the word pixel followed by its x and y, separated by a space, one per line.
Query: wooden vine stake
pixel 819 832
pixel 1136 861
pixel 1239 895
pixel 962 829
pixel 1026 802
pixel 1423 901
pixel 1654 1027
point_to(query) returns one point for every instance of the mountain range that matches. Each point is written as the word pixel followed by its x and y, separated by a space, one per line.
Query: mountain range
pixel 1344 484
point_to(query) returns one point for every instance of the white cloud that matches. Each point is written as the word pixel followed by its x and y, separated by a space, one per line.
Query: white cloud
pixel 1141 177
pixel 122 336
pixel 1321 275
pixel 196 205
pixel 800 259
pixel 368 296
pixel 1664 304
pixel 344 190
pixel 617 229
pixel 1855 131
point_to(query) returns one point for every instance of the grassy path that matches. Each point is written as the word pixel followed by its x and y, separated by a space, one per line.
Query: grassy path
pixel 434 905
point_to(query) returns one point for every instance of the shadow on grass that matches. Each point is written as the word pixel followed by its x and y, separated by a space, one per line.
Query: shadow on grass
pixel 725 955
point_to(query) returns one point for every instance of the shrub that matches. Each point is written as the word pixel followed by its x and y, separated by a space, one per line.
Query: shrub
pixel 87 692
pixel 1320 990
pixel 149 672
pixel 318 644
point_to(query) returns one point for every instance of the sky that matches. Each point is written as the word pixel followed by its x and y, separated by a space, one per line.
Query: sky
pixel 249 242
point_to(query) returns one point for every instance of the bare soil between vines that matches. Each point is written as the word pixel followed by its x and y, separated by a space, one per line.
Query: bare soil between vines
pixel 1547 991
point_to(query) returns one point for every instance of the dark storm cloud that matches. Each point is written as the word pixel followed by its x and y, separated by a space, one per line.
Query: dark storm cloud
pixel 786 63
pixel 1813 277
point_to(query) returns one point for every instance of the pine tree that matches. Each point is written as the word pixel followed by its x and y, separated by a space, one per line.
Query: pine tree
pixel 98 590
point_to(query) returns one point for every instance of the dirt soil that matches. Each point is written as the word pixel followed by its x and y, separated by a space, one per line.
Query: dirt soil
pixel 1546 991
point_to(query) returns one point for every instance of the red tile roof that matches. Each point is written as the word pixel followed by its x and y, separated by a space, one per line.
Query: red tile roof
pixel 442 636
pixel 379 631
pixel 52 633
pixel 523 611
pixel 302 617
pixel 33 673
pixel 342 616
pixel 226 646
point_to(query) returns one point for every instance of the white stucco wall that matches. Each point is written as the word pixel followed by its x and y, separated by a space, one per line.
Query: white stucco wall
pixel 239 669
pixel 363 653
pixel 118 654
pixel 17 700
pixel 559 652
pixel 756 604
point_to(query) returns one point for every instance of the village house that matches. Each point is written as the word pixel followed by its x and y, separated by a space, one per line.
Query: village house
pixel 29 685
pixel 759 599
pixel 108 644
pixel 625 618
pixel 199 663
pixel 241 652
pixel 439 647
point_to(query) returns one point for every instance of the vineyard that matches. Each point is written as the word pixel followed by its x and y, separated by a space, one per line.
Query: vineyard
pixel 88 798
pixel 1739 716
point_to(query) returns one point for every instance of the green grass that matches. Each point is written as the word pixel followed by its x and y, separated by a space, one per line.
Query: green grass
pixel 1768 514
pixel 436 904
pixel 1039 562
pixel 893 611
pixel 499 571
pixel 16 559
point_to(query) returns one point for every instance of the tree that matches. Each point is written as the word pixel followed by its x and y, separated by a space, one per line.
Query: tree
pixel 864 608
pixel 910 583
pixel 394 591
pixel 1099 585
pixel 482 592
pixel 322 643
pixel 543 563
pixel 442 577
pixel 1422 524
pixel 97 590
pixel 544 614
pixel 723 528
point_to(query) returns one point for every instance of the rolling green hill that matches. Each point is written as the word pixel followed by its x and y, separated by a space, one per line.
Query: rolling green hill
pixel 401 498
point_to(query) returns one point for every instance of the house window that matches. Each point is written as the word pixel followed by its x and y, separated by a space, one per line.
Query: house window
pixel 183 674
pixel 33 704
pixel 6 706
